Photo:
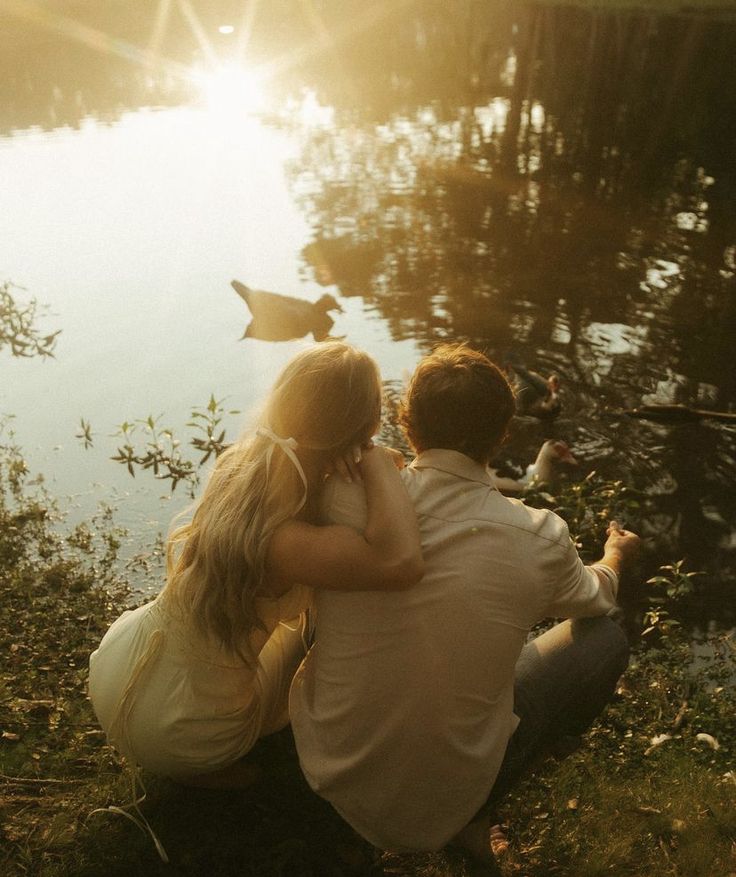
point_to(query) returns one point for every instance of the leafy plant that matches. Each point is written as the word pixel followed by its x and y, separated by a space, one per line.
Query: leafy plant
pixel 207 420
pixel 85 433
pixel 18 325
pixel 677 585
pixel 587 506
pixel 161 451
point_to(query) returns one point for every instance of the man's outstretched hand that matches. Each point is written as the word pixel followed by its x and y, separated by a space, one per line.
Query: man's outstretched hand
pixel 621 547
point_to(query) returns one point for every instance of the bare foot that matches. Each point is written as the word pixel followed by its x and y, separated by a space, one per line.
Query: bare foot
pixel 499 841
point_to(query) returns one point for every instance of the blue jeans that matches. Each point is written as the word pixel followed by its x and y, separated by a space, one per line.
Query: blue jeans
pixel 564 678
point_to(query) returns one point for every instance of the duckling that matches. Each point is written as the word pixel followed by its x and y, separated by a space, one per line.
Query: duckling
pixel 535 395
pixel 542 471
pixel 281 317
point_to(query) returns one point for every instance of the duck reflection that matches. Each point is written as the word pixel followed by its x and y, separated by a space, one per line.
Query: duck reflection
pixel 279 317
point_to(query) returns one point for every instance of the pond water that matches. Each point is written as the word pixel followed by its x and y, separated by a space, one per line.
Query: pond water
pixel 547 184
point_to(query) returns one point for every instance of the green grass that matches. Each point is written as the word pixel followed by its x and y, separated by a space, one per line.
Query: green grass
pixel 608 809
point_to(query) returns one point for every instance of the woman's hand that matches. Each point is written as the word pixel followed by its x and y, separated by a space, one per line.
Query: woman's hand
pixel 347 465
pixel 379 455
pixel 383 555
pixel 350 464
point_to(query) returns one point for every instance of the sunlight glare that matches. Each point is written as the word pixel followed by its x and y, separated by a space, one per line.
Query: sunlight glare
pixel 231 89
pixel 313 114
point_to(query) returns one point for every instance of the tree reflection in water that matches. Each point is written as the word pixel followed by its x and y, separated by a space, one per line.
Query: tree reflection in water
pixel 584 215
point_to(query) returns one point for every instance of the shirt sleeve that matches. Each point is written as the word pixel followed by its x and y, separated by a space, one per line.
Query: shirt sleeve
pixel 580 591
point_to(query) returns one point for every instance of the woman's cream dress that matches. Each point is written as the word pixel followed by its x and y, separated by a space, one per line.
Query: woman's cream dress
pixel 181 706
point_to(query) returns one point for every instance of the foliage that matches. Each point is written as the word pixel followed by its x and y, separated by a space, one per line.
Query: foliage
pixel 160 451
pixel 391 433
pixel 674 585
pixel 85 433
pixel 587 506
pixel 655 773
pixel 18 326
pixel 57 594
pixel 59 591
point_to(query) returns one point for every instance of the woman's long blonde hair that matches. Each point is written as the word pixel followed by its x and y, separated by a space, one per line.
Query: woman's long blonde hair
pixel 327 398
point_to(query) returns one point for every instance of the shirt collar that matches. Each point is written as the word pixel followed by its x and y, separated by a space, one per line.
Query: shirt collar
pixel 454 463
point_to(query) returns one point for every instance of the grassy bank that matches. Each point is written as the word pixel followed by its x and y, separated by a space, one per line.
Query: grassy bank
pixel 624 804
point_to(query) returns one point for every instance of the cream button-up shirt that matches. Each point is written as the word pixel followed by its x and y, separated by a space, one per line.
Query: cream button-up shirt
pixel 404 706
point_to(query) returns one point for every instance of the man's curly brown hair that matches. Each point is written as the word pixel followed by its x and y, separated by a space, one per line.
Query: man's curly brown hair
pixel 457 399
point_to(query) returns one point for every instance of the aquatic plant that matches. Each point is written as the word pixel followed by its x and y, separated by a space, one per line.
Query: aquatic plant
pixel 160 451
pixel 19 325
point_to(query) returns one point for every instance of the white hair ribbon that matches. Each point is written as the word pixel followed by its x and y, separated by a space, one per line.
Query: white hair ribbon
pixel 287 445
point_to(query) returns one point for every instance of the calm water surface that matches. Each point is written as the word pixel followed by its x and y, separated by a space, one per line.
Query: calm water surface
pixel 555 185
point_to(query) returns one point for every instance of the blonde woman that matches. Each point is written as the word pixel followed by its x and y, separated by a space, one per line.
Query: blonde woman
pixel 185 685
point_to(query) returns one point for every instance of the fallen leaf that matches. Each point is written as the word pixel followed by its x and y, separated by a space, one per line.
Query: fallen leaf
pixel 657 741
pixel 710 740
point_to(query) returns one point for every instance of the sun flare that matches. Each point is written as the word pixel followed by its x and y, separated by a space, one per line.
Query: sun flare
pixel 230 88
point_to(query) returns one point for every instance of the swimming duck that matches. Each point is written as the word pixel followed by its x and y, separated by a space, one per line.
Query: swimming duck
pixel 552 453
pixel 280 317
pixel 535 395
pixel 543 470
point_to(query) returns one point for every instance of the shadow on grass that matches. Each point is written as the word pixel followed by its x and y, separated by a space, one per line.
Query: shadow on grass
pixel 277 826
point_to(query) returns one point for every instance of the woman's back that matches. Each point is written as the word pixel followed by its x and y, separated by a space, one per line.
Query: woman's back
pixel 178 703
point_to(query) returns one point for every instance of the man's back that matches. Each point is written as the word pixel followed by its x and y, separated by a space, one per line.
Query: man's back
pixel 403 709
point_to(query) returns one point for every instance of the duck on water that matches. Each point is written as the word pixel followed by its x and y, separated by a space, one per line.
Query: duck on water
pixel 553 455
pixel 536 396
pixel 279 317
